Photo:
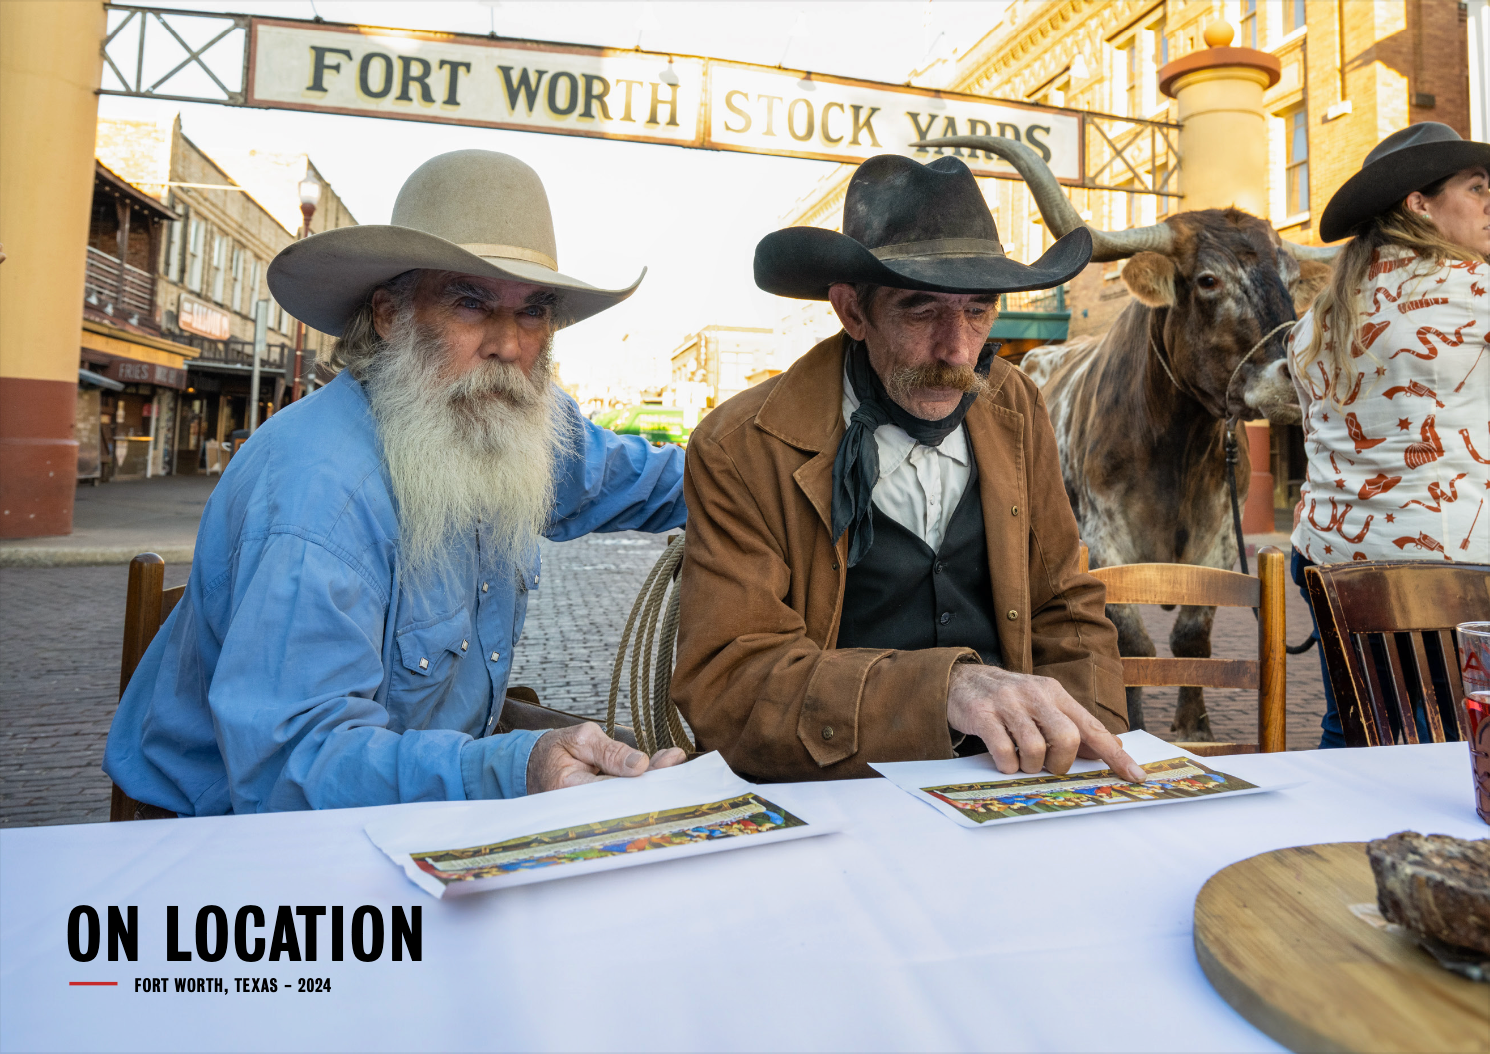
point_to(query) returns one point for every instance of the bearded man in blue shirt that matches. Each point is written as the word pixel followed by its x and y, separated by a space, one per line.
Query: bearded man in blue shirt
pixel 362 570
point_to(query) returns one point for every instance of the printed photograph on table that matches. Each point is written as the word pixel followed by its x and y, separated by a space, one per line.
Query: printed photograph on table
pixel 736 817
pixel 1172 778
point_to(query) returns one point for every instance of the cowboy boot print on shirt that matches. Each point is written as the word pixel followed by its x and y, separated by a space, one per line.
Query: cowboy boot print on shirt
pixel 1414 387
pixel 1363 442
pixel 1426 452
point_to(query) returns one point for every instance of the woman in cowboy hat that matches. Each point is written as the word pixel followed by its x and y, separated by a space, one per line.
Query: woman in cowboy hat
pixel 1392 368
pixel 363 569
pixel 882 564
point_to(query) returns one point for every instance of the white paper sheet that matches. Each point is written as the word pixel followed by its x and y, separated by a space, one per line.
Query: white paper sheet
pixel 474 846
pixel 972 792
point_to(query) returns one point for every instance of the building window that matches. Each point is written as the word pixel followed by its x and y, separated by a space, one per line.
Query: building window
pixel 1296 180
pixel 237 279
pixel 1055 95
pixel 1159 57
pixel 253 287
pixel 1133 77
pixel 1293 15
pixel 1249 24
pixel 195 257
pixel 172 269
pixel 219 267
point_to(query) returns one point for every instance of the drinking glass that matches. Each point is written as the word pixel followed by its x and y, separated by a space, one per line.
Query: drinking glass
pixel 1474 669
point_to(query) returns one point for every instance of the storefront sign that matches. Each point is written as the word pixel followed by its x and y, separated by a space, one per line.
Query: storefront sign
pixel 132 371
pixel 203 319
pixel 634 95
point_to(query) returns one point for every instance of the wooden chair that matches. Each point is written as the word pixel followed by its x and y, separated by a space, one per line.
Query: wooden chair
pixel 1210 587
pixel 1387 633
pixel 147 605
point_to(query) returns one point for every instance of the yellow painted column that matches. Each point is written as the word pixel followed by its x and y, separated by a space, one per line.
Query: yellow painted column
pixel 1223 140
pixel 50 64
pixel 1223 147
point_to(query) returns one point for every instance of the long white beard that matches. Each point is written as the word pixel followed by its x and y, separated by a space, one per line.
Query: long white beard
pixel 459 453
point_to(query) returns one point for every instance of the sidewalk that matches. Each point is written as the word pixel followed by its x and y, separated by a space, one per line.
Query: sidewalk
pixel 114 522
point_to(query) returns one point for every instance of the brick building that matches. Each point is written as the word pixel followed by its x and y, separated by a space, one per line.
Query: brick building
pixel 202 271
pixel 1353 71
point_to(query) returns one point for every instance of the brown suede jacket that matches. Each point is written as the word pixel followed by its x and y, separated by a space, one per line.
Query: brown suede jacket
pixel 758 676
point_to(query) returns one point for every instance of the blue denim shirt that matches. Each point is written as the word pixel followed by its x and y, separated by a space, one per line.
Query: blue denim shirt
pixel 302 671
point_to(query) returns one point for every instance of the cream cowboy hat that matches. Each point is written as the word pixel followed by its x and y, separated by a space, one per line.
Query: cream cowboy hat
pixel 472 211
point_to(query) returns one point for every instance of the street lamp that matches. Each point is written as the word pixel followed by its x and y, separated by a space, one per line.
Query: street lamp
pixel 310 196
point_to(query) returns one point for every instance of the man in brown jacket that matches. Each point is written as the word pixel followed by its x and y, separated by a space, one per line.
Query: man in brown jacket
pixel 882 563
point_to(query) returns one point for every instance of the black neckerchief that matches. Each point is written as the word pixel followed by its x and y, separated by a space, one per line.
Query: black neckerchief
pixel 856 468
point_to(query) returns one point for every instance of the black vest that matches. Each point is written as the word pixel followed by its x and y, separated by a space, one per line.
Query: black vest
pixel 904 596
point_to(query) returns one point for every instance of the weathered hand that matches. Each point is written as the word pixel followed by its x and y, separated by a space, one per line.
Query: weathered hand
pixel 1029 722
pixel 567 757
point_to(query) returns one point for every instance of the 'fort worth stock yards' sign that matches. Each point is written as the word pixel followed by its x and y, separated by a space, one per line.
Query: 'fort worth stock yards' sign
pixel 634 95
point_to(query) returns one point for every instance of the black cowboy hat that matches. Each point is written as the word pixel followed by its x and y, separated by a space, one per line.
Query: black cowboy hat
pixel 911 226
pixel 1404 161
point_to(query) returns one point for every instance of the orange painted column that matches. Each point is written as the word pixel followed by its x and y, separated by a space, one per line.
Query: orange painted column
pixel 50 64
pixel 1257 514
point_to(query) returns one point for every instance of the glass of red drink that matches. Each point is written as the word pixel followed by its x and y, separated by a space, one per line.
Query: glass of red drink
pixel 1474 669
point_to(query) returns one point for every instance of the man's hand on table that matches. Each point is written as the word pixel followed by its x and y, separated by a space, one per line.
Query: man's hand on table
pixel 1035 715
pixel 567 757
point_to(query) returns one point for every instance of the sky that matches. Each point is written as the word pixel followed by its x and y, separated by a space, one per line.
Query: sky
pixel 691 217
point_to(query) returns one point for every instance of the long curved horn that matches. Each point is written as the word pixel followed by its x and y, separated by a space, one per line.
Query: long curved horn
pixel 1322 253
pixel 1059 214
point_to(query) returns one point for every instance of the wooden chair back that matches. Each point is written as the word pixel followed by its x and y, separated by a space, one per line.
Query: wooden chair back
pixel 146 605
pixel 1183 584
pixel 1387 630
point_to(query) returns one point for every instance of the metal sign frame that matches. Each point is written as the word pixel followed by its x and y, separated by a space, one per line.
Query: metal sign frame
pixel 1122 139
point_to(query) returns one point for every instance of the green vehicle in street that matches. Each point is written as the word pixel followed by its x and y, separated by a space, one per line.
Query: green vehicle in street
pixel 654 423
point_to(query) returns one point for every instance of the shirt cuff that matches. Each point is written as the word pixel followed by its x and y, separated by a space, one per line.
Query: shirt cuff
pixel 497 766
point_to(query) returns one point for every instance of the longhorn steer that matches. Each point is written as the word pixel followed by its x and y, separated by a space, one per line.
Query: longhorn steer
pixel 1141 413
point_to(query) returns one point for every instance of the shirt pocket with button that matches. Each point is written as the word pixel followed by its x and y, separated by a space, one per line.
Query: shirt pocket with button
pixel 428 654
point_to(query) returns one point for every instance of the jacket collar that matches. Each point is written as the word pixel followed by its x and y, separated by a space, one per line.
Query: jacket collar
pixel 805 410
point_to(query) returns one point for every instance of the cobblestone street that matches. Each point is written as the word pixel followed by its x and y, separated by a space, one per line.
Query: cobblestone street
pixel 60 631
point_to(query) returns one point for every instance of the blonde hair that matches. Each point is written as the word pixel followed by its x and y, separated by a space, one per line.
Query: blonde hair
pixel 1337 309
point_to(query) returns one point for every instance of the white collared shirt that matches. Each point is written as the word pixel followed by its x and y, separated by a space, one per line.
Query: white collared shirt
pixel 919 486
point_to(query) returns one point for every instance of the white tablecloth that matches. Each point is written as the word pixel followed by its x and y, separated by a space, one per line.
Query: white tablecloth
pixel 903 932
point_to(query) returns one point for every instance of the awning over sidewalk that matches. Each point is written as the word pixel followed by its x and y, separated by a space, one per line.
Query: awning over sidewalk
pixel 134 358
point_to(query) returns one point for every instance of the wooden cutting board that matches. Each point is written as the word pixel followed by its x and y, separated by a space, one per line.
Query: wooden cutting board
pixel 1276 936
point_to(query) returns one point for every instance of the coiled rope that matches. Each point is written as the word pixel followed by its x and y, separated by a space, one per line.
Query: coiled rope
pixel 654 718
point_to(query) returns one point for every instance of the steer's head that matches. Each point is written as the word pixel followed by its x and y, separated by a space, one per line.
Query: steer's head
pixel 1224 290
pixel 1221 282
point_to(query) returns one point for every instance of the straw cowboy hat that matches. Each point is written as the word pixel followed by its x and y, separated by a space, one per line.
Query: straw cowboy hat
pixel 911 226
pixel 1404 161
pixel 471 211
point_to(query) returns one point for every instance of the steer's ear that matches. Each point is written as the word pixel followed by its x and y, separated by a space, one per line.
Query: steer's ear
pixel 1150 277
pixel 1314 275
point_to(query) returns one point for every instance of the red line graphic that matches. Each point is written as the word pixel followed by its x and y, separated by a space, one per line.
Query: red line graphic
pixel 90 984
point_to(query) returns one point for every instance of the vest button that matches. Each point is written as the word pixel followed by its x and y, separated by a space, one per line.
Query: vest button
pixel 835 565
pixel 827 731
pixel 937 568
pixel 1012 615
pixel 1014 511
pixel 945 617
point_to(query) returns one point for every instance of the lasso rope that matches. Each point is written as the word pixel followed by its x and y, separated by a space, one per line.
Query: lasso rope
pixel 655 719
